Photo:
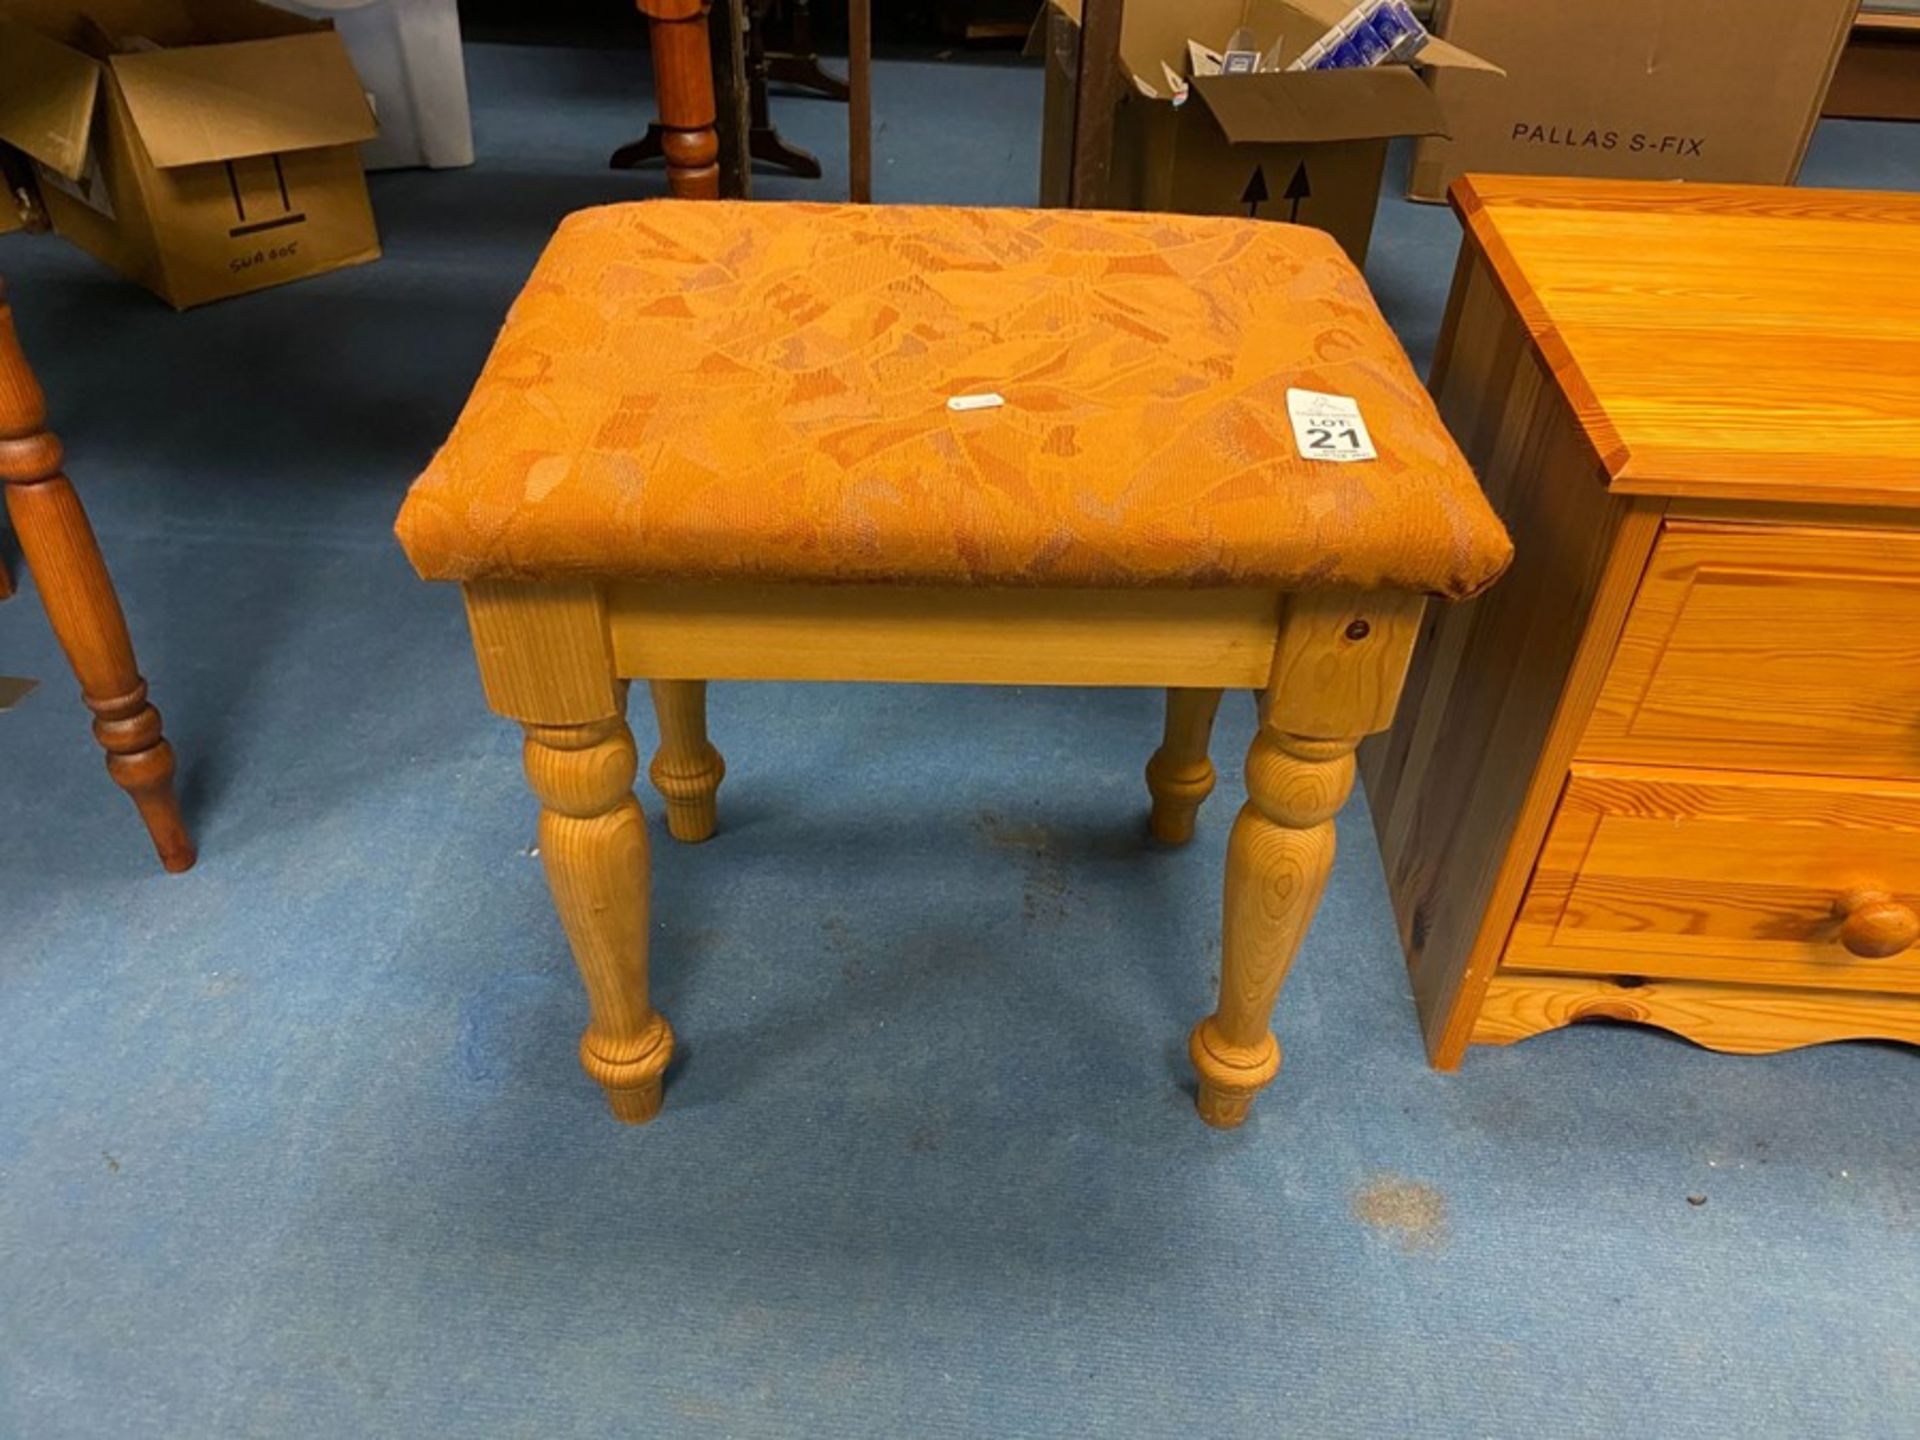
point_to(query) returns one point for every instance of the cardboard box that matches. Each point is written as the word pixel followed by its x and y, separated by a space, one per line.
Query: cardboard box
pixel 1879 73
pixel 203 147
pixel 1724 90
pixel 1304 146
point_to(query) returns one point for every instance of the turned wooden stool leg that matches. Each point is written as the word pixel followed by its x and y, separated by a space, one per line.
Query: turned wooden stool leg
pixel 683 90
pixel 81 605
pixel 593 841
pixel 686 770
pixel 1336 677
pixel 1278 858
pixel 544 661
pixel 1180 774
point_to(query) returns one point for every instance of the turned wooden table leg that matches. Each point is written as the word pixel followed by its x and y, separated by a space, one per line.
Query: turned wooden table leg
pixel 1180 774
pixel 683 87
pixel 686 770
pixel 59 546
pixel 593 842
pixel 544 661
pixel 1336 676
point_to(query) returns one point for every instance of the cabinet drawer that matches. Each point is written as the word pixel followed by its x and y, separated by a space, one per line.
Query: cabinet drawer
pixel 1769 648
pixel 1706 875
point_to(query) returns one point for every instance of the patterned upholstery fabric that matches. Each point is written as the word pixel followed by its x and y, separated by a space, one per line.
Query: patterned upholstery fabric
pixel 708 391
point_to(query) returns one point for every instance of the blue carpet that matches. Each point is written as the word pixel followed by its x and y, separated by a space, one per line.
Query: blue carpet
pixel 295 1145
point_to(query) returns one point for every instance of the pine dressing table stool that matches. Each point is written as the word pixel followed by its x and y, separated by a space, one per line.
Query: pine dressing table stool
pixel 713 441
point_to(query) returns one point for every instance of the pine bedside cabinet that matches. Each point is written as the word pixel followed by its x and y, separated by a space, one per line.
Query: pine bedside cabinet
pixel 714 441
pixel 1669 770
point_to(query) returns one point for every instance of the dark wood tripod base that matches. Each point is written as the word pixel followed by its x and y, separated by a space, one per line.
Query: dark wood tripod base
pixel 59 545
pixel 683 85
pixel 800 66
pixel 805 72
pixel 683 92
pixel 763 145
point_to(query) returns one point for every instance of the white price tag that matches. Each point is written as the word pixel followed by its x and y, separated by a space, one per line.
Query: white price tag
pixel 987 400
pixel 1329 427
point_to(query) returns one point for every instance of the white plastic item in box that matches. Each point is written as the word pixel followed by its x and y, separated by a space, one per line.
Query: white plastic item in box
pixel 408 56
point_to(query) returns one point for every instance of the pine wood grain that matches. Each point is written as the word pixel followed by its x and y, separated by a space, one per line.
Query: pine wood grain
pixel 1463 787
pixel 687 770
pixel 1713 875
pixel 1720 340
pixel 1754 1020
pixel 1336 676
pixel 1777 648
pixel 1180 773
pixel 593 845
pixel 544 661
pixel 543 650
pixel 1669 769
pixel 1193 638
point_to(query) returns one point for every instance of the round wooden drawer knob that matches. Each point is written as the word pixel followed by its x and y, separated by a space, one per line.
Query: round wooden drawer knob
pixel 1875 925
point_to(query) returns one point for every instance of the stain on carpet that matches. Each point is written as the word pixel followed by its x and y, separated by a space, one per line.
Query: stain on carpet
pixel 1047 893
pixel 1411 1213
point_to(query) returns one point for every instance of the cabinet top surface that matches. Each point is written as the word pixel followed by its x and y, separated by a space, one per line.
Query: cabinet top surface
pixel 1728 341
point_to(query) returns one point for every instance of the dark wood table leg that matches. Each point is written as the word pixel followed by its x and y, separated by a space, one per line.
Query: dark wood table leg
pixel 59 546
pixel 727 32
pixel 763 141
pixel 683 90
pixel 860 101
pixel 698 132
pixel 1096 92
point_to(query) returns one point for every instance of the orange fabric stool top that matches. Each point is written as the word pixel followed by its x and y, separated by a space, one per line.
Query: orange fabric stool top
pixel 700 391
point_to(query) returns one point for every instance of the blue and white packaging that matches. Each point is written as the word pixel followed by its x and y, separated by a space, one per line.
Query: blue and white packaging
pixel 1374 32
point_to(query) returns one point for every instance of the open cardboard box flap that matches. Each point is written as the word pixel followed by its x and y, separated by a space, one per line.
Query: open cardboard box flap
pixel 99 27
pixel 47 94
pixel 1316 105
pixel 254 97
pixel 1298 106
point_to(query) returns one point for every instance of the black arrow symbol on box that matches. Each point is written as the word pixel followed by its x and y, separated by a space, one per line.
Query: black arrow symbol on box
pixel 1297 190
pixel 1255 195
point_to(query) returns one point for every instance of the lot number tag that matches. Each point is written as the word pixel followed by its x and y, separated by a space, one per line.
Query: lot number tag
pixel 1329 427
